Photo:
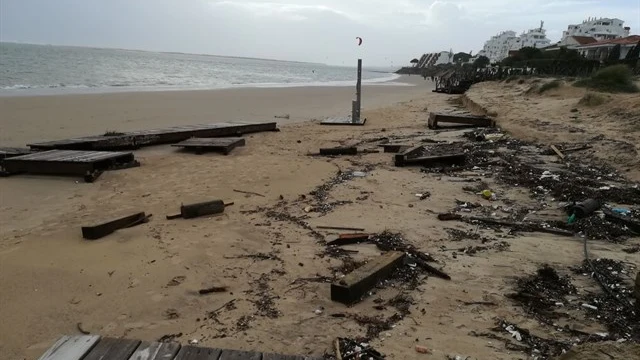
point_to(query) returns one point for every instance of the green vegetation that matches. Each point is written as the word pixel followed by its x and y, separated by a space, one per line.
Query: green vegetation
pixel 482 62
pixel 591 99
pixel 614 79
pixel 548 86
pixel 461 57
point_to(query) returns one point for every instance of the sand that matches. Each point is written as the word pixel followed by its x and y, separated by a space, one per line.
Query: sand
pixel 126 284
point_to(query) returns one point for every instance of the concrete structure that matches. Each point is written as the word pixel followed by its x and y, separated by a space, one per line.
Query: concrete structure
pixel 600 50
pixel 433 59
pixel 599 29
pixel 497 48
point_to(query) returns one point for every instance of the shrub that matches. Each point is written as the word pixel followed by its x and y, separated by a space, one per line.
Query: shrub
pixel 548 86
pixel 615 79
pixel 591 99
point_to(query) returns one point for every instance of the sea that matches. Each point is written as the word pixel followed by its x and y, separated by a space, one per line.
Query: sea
pixel 27 69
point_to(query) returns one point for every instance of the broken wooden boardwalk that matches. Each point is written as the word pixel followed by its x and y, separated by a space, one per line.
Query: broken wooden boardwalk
pixel 137 139
pixel 7 152
pixel 470 120
pixel 68 162
pixel 93 347
pixel 200 145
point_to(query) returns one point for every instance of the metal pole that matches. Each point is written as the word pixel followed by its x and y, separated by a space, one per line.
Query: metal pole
pixel 359 88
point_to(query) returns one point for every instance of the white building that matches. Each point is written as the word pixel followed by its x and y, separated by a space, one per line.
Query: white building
pixel 599 29
pixel 497 48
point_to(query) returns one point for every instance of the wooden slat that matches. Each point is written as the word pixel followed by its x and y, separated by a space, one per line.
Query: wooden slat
pixel 239 355
pixel 101 230
pixel 197 353
pixel 352 287
pixel 155 351
pixel 70 347
pixel 112 349
pixel 282 357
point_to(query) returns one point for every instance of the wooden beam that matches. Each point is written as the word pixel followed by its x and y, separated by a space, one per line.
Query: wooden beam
pixel 339 151
pixel 112 349
pixel 479 121
pixel 198 353
pixel 558 152
pixel 101 230
pixel 155 351
pixel 239 355
pixel 352 287
pixel 201 209
pixel 70 347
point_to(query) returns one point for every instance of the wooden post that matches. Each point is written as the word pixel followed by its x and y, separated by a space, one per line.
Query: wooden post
pixel 355 111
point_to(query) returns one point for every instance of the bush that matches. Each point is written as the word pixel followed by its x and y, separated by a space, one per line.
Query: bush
pixel 548 86
pixel 615 79
pixel 591 99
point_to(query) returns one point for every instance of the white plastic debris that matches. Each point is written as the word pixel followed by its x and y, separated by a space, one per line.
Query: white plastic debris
pixel 588 306
pixel 514 333
pixel 193 342
pixel 359 174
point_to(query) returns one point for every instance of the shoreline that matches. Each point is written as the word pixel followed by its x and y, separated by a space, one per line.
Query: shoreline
pixel 25 91
pixel 37 118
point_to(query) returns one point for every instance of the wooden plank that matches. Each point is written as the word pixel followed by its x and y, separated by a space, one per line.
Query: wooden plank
pixel 394 148
pixel 339 151
pixel 101 230
pixel 201 209
pixel 357 283
pixel 429 161
pixel 112 349
pixel 400 159
pixel 555 150
pixel 70 347
pixel 479 121
pixel 225 145
pixel 281 357
pixel 198 353
pixel 155 351
pixel 240 355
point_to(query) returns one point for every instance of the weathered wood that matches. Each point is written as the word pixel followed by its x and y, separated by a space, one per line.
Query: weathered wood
pixel 266 356
pixel 224 145
pixel 339 228
pixel 239 355
pixel 400 159
pixel 633 225
pixel 558 152
pixel 637 290
pixel 155 351
pixel 348 239
pixel 357 283
pixel 104 229
pixel 478 121
pixel 201 209
pixel 394 148
pixel 198 353
pixel 339 151
pixel 67 162
pixel 112 349
pixel 137 139
pixel 7 152
pixel 70 347
pixel 430 161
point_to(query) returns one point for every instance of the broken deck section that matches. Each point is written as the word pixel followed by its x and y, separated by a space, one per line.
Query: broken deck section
pixel 137 139
pixel 89 347
pixel 200 145
pixel 68 162
pixel 471 120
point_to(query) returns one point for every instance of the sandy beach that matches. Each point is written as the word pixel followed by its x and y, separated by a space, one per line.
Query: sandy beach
pixel 143 282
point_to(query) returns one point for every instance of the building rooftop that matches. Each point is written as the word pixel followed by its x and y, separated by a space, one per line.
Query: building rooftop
pixel 629 40
pixel 584 40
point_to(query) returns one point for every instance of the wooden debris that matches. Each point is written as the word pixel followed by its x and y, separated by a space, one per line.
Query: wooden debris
pixel 558 152
pixel 70 347
pixel 212 289
pixel 248 192
pixel 472 120
pixel 200 145
pixel 394 148
pixel 339 228
pixel 339 151
pixel 348 239
pixel 527 226
pixel 633 225
pixel 354 285
pixel 200 209
pixel 104 229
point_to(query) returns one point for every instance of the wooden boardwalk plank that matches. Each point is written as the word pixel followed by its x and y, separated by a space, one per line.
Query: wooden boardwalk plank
pixel 283 357
pixel 112 349
pixel 240 355
pixel 104 229
pixel 224 145
pixel 352 287
pixel 155 351
pixel 70 347
pixel 198 353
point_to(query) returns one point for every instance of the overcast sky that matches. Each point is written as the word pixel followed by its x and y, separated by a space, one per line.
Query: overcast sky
pixel 394 31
